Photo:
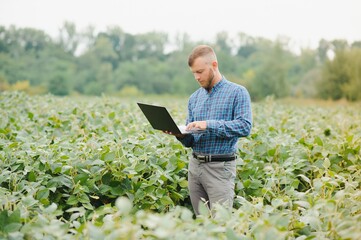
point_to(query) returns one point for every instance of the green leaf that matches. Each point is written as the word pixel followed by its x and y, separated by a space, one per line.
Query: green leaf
pixel 111 115
pixel 3 219
pixel 88 206
pixel 306 179
pixel 326 163
pixel 51 208
pixel 140 167
pixel 42 194
pixel 255 184
pixel 104 189
pixel 10 223
pixel 183 183
pixel 29 201
pixel 72 200
pixel 277 202
pixel 32 176
pixel 117 190
pixel 165 200
pixel 109 156
pixel 176 195
pixel 247 183
pixel 14 145
pixel 12 227
pixel 82 178
pixel 83 198
pixel 30 115
pixel 60 181
pixel 318 141
pixel 15 216
pixel 349 138
pixel 303 204
pixel 272 152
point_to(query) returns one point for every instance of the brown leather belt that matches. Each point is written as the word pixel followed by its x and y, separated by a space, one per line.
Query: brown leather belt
pixel 215 157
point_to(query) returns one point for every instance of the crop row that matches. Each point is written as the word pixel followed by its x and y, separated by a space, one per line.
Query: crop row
pixel 66 161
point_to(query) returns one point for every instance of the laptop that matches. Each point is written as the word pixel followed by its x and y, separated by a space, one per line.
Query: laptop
pixel 160 119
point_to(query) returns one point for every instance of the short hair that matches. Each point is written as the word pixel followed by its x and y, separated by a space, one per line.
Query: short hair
pixel 202 51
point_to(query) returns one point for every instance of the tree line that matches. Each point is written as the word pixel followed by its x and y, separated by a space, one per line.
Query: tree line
pixel 115 62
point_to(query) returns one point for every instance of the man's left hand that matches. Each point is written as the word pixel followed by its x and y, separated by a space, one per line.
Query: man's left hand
pixel 201 125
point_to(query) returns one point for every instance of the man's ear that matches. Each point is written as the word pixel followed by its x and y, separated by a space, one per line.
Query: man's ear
pixel 215 64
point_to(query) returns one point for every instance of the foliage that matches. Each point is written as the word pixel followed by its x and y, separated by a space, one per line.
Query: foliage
pixel 95 63
pixel 270 79
pixel 342 76
pixel 66 161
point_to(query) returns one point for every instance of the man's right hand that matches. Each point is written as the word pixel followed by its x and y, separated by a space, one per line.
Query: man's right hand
pixel 178 135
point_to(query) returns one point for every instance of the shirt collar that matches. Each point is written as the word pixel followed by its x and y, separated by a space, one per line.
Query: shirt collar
pixel 217 85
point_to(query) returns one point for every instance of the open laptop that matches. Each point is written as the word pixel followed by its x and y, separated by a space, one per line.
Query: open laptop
pixel 160 119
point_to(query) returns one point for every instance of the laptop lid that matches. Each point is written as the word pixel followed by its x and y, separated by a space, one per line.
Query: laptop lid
pixel 159 118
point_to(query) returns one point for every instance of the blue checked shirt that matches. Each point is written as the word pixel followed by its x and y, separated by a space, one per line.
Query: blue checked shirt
pixel 227 110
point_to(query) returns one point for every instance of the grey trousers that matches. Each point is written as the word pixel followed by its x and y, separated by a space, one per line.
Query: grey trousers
pixel 211 183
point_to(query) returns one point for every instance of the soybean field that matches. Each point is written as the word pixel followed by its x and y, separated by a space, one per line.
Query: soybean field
pixel 93 168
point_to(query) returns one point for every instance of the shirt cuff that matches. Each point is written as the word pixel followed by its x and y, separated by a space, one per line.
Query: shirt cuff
pixel 212 125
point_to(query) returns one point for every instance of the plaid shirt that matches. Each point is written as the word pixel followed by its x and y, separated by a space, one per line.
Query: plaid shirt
pixel 227 110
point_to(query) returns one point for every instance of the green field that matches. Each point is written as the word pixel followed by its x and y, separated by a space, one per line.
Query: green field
pixel 93 168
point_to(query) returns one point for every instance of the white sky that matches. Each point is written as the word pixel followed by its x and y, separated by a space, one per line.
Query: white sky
pixel 305 22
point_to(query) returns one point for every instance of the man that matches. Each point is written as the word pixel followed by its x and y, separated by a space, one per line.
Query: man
pixel 223 109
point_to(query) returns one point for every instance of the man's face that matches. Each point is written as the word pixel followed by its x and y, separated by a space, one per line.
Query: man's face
pixel 203 72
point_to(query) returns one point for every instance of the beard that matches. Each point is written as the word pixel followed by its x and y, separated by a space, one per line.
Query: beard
pixel 209 81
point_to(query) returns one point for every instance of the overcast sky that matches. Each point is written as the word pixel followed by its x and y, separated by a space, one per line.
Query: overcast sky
pixel 305 22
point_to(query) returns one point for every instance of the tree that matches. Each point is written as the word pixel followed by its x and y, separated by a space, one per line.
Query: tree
pixel 151 45
pixel 270 78
pixel 117 38
pixel 31 40
pixel 356 44
pixel 69 38
pixel 303 73
pixel 4 45
pixel 95 68
pixel 307 86
pixel 247 45
pixel 323 48
pixel 58 85
pixel 339 44
pixel 333 77
pixel 223 43
pixel 341 76
pixel 352 89
pixel 113 60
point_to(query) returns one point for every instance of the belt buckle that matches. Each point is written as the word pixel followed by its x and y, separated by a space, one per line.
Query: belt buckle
pixel 204 158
